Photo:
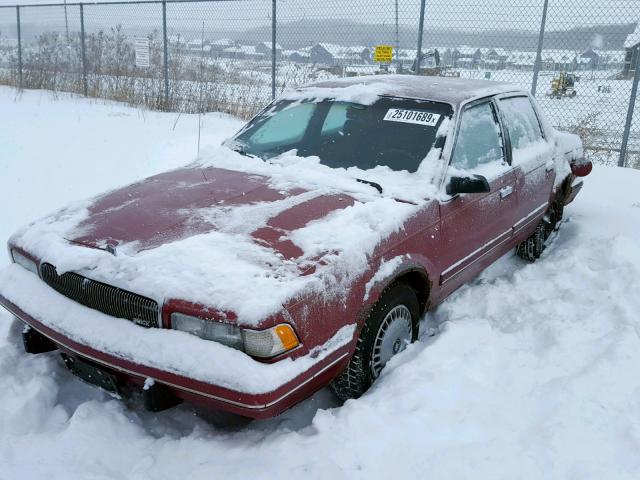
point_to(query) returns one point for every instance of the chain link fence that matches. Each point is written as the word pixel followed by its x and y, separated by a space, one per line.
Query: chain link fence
pixel 577 56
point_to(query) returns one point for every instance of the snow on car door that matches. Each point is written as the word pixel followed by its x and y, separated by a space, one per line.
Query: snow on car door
pixel 532 159
pixel 476 228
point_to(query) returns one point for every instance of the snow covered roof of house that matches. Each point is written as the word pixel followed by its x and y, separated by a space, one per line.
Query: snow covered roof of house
pixel 444 89
pixel 500 52
pixel 268 45
pixel 559 56
pixel 246 49
pixel 522 58
pixel 633 38
pixel 300 53
pixel 466 50
pixel 222 42
pixel 340 51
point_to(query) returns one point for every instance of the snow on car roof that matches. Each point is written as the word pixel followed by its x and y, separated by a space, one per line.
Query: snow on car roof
pixel 444 89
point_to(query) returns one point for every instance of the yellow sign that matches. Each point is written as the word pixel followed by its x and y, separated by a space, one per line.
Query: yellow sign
pixel 383 54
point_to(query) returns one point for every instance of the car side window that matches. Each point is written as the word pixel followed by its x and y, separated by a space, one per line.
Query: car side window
pixel 335 119
pixel 479 141
pixel 521 121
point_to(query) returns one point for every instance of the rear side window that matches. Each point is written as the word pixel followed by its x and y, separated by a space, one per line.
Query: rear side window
pixel 521 121
pixel 479 141
pixel 335 119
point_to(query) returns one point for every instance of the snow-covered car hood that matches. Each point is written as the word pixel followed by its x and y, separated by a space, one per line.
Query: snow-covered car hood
pixel 191 201
pixel 245 242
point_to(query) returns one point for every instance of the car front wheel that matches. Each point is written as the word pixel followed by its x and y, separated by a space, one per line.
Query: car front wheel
pixel 390 327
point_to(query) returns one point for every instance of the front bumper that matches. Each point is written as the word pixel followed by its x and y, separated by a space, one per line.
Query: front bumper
pixel 262 404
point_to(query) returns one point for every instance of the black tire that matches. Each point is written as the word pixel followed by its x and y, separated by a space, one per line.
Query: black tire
pixel 359 374
pixel 531 248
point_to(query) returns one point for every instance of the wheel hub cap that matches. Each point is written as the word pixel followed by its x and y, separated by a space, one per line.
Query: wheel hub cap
pixel 393 336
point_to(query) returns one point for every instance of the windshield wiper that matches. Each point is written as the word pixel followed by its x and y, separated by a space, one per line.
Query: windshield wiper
pixel 375 185
pixel 238 147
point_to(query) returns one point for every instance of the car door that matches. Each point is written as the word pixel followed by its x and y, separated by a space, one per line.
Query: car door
pixel 532 159
pixel 476 228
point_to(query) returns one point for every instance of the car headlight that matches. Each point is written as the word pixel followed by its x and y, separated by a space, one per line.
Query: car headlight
pixel 256 343
pixel 24 261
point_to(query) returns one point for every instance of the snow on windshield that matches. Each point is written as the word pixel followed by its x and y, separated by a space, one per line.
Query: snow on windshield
pixel 392 132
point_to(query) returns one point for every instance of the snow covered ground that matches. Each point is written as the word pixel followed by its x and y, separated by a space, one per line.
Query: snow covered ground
pixel 534 373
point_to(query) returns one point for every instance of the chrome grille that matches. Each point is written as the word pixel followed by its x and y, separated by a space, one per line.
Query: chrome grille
pixel 99 296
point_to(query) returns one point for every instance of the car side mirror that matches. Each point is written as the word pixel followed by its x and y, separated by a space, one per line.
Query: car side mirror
pixel 472 184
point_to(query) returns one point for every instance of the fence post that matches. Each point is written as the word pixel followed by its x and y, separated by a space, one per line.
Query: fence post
pixel 166 55
pixel 19 47
pixel 536 65
pixel 420 31
pixel 632 103
pixel 273 49
pixel 85 87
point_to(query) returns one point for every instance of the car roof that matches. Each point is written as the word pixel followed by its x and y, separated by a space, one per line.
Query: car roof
pixel 451 90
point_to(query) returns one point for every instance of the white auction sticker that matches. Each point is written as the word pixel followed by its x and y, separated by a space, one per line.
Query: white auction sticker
pixel 412 116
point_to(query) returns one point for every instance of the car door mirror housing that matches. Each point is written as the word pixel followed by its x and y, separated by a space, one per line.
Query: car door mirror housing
pixel 470 184
pixel 581 167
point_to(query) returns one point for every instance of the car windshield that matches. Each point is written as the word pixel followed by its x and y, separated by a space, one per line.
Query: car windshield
pixel 394 132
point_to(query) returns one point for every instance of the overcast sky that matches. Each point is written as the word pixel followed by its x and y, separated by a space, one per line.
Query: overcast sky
pixel 242 14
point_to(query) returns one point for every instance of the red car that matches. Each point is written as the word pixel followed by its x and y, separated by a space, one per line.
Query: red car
pixel 301 253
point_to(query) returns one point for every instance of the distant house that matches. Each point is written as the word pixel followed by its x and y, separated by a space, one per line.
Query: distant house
pixel 299 56
pixel 331 54
pixel 495 58
pixel 612 59
pixel 198 46
pixel 589 60
pixel 320 54
pixel 559 60
pixel 465 56
pixel 265 49
pixel 631 45
pixel 218 46
pixel 521 60
pixel 243 52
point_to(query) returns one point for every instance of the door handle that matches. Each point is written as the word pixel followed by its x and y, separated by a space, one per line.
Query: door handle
pixel 506 191
pixel 550 165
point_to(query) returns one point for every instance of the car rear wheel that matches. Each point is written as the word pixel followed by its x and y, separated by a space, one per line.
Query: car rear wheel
pixel 531 248
pixel 390 327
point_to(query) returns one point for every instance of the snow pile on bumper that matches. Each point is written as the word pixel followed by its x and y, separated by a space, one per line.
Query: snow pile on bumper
pixel 167 350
